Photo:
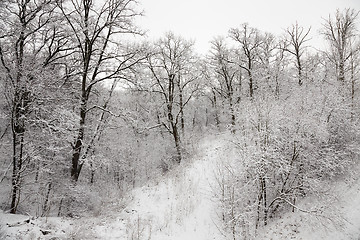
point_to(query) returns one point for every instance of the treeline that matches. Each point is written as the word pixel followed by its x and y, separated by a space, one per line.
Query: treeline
pixel 294 114
pixel 88 113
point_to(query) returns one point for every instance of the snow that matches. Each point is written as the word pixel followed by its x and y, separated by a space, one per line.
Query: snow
pixel 176 207
pixel 179 206
pixel 342 222
pixel 25 227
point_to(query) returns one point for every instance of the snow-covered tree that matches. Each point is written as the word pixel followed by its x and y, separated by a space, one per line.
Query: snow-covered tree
pixel 173 76
pixel 29 47
pixel 96 31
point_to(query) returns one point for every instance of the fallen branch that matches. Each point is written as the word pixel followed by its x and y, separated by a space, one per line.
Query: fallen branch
pixel 17 224
pixel 298 208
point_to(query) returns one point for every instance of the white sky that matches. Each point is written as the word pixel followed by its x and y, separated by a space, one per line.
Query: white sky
pixel 202 20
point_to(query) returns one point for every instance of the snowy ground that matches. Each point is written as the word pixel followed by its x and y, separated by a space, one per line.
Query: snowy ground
pixel 179 207
pixel 340 222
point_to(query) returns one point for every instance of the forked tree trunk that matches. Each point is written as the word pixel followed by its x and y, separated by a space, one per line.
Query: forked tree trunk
pixel 173 121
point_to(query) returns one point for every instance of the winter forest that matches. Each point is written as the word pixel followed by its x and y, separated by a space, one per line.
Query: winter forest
pixel 108 134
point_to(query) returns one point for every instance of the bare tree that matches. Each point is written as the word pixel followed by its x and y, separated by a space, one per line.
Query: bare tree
pixel 226 75
pixel 271 60
pixel 101 123
pixel 173 76
pixel 354 71
pixel 250 40
pixel 29 46
pixel 340 32
pixel 279 66
pixel 298 36
pixel 96 30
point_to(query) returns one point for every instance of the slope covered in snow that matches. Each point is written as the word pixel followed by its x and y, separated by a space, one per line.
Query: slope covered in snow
pixel 180 206
pixel 340 219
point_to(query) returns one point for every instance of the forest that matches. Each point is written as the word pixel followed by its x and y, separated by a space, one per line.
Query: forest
pixel 92 109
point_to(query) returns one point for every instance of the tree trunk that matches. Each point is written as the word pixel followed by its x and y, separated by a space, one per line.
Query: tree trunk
pixel 18 129
pixel 251 84
pixel 341 70
pixel 46 203
pixel 14 184
pixel 176 136
pixel 260 196
pixel 92 173
pixel 173 122
pixel 232 113
pixel 299 67
pixel 264 200
pixel 182 120
pixel 76 165
pixel 18 114
pixel 217 120
pixel 17 169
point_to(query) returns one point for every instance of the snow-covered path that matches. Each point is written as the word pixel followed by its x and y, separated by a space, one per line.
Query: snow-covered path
pixel 180 206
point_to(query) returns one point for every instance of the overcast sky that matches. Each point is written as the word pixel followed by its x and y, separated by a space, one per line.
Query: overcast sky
pixel 201 20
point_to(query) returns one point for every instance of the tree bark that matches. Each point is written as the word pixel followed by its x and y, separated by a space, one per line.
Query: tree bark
pixel 181 103
pixel 76 164
pixel 264 200
pixel 177 144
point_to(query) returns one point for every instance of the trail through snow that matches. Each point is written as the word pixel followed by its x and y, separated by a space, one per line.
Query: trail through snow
pixel 180 207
